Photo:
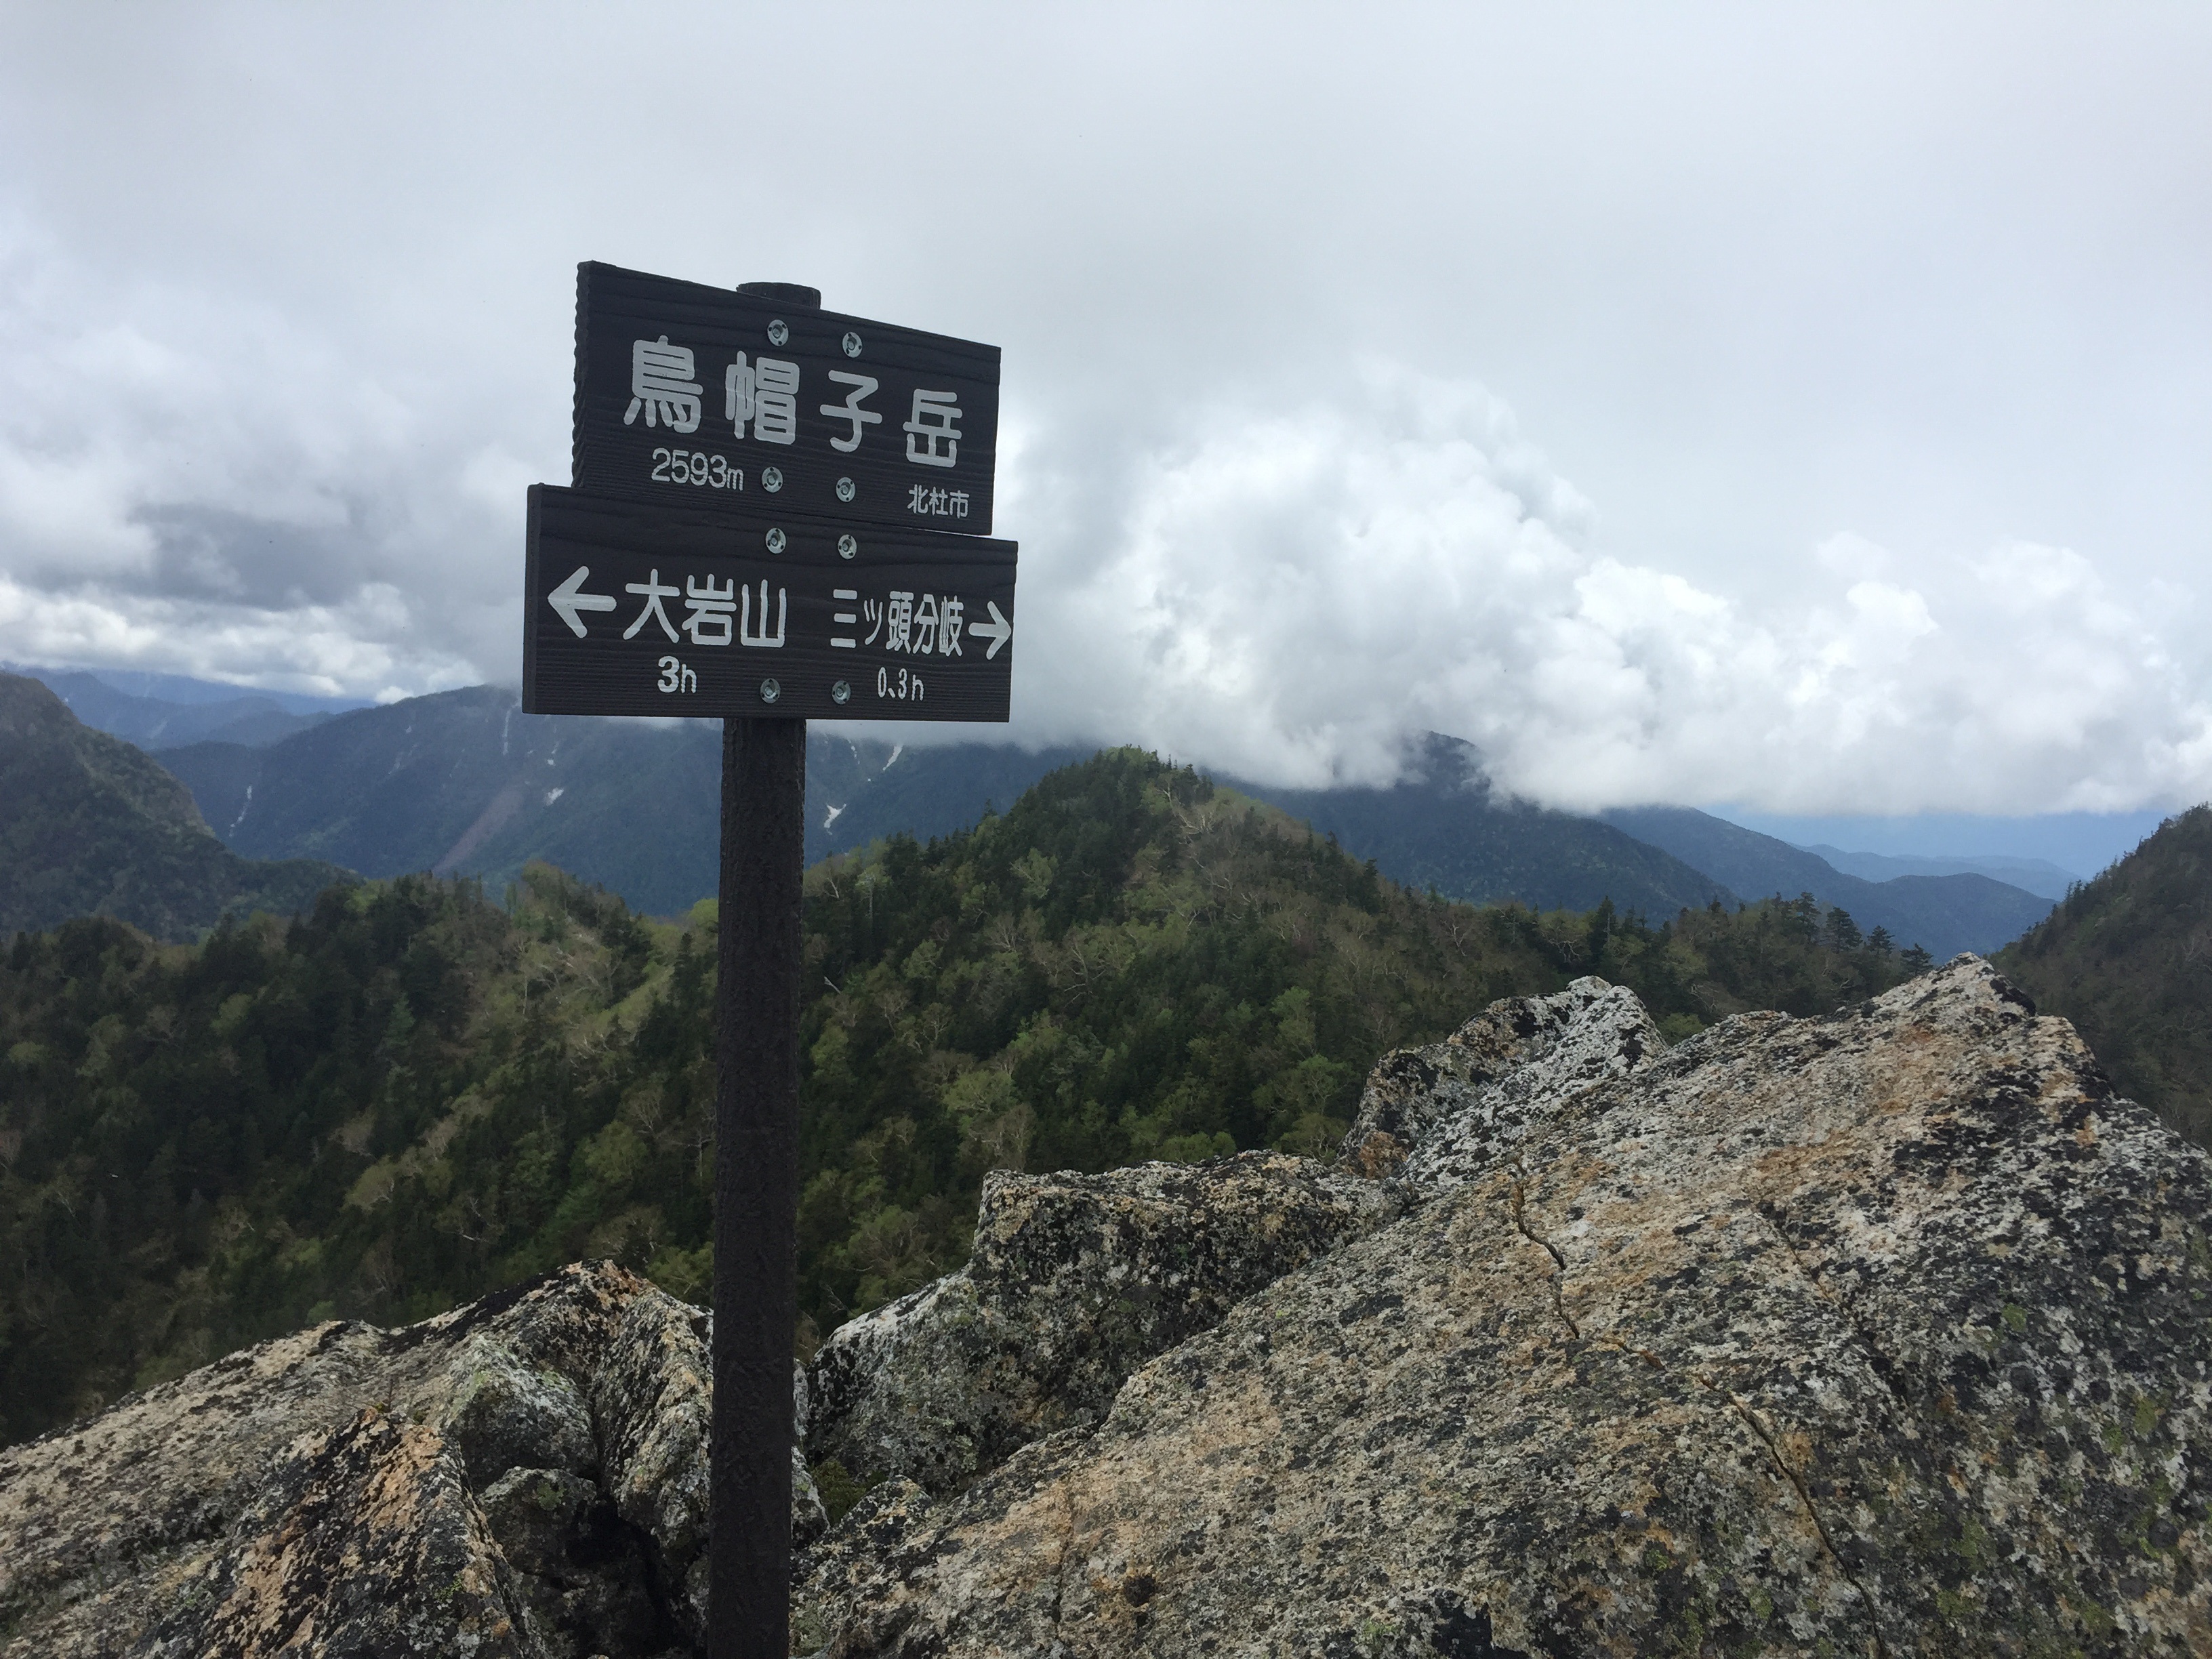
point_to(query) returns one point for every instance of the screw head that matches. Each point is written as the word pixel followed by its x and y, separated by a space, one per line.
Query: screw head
pixel 771 478
pixel 846 546
pixel 841 693
pixel 774 541
pixel 852 345
pixel 771 690
pixel 778 332
pixel 847 489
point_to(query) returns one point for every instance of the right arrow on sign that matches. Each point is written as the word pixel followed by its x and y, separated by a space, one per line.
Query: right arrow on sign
pixel 569 597
pixel 998 630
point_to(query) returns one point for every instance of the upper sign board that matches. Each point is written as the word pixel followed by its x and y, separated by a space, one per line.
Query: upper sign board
pixel 686 611
pixel 717 399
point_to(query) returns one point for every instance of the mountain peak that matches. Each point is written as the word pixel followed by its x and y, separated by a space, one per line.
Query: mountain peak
pixel 90 825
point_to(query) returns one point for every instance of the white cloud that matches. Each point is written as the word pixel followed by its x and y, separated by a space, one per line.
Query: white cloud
pixel 359 648
pixel 1288 592
pixel 284 326
pixel 1291 596
pixel 200 485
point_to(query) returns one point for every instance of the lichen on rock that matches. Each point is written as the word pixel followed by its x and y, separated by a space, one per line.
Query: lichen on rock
pixel 1075 1280
pixel 525 1476
pixel 1437 1115
pixel 1889 1333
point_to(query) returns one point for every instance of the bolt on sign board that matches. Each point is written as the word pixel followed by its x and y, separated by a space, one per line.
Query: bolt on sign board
pixel 685 392
pixel 686 610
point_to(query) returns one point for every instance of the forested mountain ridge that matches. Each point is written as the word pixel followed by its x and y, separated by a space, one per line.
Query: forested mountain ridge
pixel 88 825
pixel 2128 958
pixel 416 1094
pixel 463 782
pixel 1445 826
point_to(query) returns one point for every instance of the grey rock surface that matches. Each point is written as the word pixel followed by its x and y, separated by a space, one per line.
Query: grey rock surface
pixel 1075 1280
pixel 1440 1113
pixel 525 1476
pixel 1884 1334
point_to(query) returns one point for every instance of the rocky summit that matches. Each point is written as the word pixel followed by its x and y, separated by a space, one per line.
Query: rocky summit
pixel 1075 1280
pixel 1882 1334
pixel 524 1476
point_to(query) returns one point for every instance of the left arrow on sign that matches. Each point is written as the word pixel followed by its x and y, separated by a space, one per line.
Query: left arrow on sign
pixel 569 597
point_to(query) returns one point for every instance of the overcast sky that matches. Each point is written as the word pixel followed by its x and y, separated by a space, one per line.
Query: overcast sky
pixel 1806 408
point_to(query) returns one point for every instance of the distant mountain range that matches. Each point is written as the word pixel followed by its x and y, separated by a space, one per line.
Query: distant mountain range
pixel 1443 826
pixel 1945 914
pixel 188 714
pixel 90 825
pixel 464 782
pixel 2036 876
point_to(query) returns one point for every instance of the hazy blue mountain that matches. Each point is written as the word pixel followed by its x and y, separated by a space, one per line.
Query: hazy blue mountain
pixel 2082 842
pixel 2036 876
pixel 1945 914
pixel 153 722
pixel 1445 826
pixel 90 825
pixel 464 782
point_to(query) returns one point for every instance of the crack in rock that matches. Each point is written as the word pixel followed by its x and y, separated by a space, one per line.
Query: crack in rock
pixel 1805 1498
pixel 1518 1203
pixel 1741 1409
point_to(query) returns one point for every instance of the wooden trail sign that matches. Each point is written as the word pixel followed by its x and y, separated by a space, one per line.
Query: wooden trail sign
pixel 684 610
pixel 776 515
pixel 687 393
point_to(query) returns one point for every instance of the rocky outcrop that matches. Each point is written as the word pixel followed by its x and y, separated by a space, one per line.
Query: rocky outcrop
pixel 1074 1282
pixel 1438 1115
pixel 525 1476
pixel 1888 1332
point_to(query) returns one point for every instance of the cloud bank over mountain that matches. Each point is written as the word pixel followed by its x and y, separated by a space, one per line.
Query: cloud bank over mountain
pixel 1290 595
pixel 193 483
pixel 1870 337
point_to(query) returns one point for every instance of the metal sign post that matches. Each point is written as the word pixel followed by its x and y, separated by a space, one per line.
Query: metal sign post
pixel 776 513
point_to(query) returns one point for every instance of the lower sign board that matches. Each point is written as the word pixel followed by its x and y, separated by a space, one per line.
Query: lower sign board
pixel 662 610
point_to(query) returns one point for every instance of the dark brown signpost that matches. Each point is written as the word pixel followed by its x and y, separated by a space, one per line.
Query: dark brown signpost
pixel 776 515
